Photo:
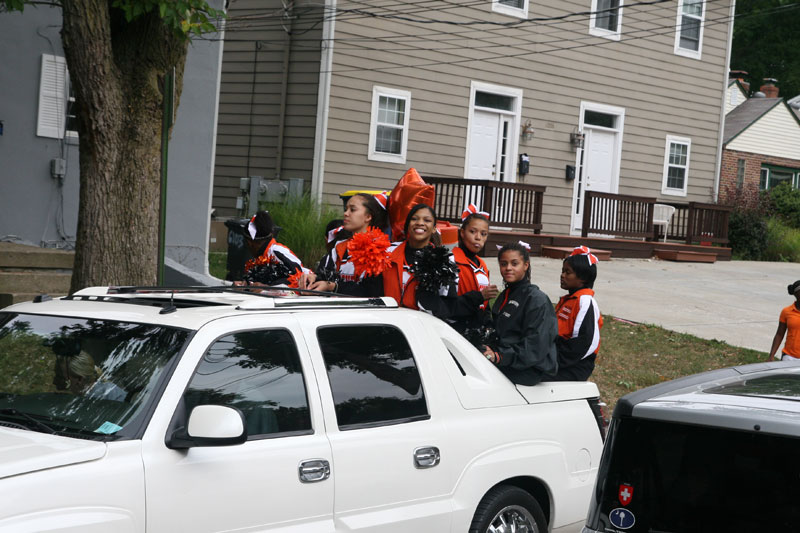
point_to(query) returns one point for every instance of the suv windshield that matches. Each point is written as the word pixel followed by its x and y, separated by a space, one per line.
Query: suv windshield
pixel 81 377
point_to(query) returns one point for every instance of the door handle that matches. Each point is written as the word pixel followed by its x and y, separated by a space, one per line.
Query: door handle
pixel 426 457
pixel 314 470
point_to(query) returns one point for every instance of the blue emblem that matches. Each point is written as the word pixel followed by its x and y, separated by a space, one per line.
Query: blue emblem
pixel 622 518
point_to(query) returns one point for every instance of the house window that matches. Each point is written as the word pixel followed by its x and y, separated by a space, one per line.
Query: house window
pixel 740 168
pixel 772 176
pixel 57 111
pixel 606 19
pixel 388 132
pixel 689 28
pixel 514 8
pixel 676 166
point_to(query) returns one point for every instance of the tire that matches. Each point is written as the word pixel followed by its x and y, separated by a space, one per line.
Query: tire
pixel 505 505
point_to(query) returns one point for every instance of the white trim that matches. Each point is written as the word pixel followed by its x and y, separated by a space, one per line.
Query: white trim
pixel 602 32
pixel 399 94
pixel 694 54
pixel 323 102
pixel 513 140
pixel 674 139
pixel 503 9
pixel 619 128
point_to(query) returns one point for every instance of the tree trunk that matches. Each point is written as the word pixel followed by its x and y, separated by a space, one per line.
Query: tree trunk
pixel 117 69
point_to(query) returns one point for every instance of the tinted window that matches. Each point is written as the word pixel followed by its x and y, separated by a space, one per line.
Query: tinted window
pixel 693 478
pixel 778 385
pixel 82 377
pixel 259 373
pixel 373 377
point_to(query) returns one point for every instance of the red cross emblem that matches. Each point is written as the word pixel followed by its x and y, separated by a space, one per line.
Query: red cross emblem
pixel 625 494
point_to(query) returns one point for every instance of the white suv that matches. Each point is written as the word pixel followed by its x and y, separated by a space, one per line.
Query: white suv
pixel 150 410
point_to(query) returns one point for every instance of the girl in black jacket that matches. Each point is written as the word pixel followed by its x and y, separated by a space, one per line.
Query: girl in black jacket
pixel 524 320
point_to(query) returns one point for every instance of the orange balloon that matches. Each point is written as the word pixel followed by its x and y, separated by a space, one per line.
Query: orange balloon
pixel 409 191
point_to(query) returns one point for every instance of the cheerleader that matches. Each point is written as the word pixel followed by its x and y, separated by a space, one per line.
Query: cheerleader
pixel 273 263
pixel 474 289
pixel 524 320
pixel 353 266
pixel 421 275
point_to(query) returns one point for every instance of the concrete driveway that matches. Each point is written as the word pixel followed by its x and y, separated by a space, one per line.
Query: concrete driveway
pixel 733 301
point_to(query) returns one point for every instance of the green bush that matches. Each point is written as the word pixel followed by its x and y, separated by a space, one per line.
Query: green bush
pixel 786 203
pixel 782 243
pixel 302 221
pixel 747 233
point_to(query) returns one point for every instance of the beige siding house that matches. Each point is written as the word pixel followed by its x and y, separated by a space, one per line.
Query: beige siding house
pixel 630 94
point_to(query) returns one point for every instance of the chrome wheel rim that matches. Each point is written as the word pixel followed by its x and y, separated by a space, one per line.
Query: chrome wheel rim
pixel 512 519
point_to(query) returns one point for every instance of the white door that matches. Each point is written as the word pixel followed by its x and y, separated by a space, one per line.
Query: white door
pixel 490 159
pixel 381 429
pixel 254 486
pixel 598 172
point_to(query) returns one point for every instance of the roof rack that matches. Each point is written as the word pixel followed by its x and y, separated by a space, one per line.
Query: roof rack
pixel 269 297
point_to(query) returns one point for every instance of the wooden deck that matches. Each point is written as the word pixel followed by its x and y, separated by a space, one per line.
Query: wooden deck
pixel 619 248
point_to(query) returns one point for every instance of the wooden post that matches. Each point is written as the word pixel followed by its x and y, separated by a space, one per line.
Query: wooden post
pixel 587 213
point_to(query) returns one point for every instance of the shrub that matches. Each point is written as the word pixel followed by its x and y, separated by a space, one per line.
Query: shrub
pixel 302 221
pixel 747 226
pixel 786 203
pixel 782 243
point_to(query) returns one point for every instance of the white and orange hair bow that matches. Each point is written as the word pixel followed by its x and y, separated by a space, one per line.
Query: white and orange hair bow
pixel 525 245
pixel 382 198
pixel 473 210
pixel 584 250
pixel 332 233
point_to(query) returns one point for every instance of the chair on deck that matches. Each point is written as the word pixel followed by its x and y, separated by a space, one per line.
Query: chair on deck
pixel 662 215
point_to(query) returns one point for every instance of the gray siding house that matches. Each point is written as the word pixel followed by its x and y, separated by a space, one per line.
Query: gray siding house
pixel 39 173
pixel 630 94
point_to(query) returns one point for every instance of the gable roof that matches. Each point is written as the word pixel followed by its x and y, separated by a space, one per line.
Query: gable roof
pixel 744 115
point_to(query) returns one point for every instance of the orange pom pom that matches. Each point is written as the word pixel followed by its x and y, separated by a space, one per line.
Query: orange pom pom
pixel 294 279
pixel 368 252
pixel 260 260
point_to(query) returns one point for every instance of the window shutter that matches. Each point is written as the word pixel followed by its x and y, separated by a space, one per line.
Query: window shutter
pixel 52 97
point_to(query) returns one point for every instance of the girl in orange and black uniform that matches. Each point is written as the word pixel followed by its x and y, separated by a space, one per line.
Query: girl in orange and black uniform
pixel 789 322
pixel 579 318
pixel 362 213
pixel 474 289
pixel 399 280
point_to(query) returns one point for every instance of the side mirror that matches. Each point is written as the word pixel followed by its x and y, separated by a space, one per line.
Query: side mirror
pixel 210 425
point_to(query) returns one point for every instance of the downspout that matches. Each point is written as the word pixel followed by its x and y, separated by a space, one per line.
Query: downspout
pixel 323 100
pixel 718 166
pixel 287 50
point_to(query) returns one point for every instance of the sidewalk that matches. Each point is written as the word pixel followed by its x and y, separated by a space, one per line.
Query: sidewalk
pixel 733 301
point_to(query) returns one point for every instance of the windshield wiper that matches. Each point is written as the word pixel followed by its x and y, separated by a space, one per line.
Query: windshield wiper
pixel 26 416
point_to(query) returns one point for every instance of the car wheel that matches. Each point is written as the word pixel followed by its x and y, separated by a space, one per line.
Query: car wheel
pixel 507 509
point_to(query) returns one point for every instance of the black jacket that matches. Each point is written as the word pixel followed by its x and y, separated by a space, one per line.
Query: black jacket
pixel 526 328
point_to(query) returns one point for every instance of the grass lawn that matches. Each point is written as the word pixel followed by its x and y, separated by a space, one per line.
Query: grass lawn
pixel 217 264
pixel 633 356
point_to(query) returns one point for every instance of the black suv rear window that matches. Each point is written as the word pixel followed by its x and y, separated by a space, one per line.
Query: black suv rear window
pixel 775 386
pixel 667 477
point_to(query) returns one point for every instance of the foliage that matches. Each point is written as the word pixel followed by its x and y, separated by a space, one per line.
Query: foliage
pixel 765 43
pixel 783 242
pixel 785 202
pixel 184 16
pixel 633 356
pixel 217 264
pixel 302 221
pixel 747 227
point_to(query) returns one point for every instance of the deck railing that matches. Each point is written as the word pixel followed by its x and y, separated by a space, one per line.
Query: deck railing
pixel 620 215
pixel 512 205
pixel 632 216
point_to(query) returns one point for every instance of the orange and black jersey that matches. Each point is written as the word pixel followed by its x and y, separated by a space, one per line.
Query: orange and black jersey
pixel 347 281
pixel 579 323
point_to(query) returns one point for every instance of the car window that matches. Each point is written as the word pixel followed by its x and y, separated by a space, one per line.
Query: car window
pixel 373 376
pixel 681 477
pixel 259 373
pixel 81 377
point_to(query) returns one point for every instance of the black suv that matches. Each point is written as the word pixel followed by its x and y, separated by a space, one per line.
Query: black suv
pixel 718 451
